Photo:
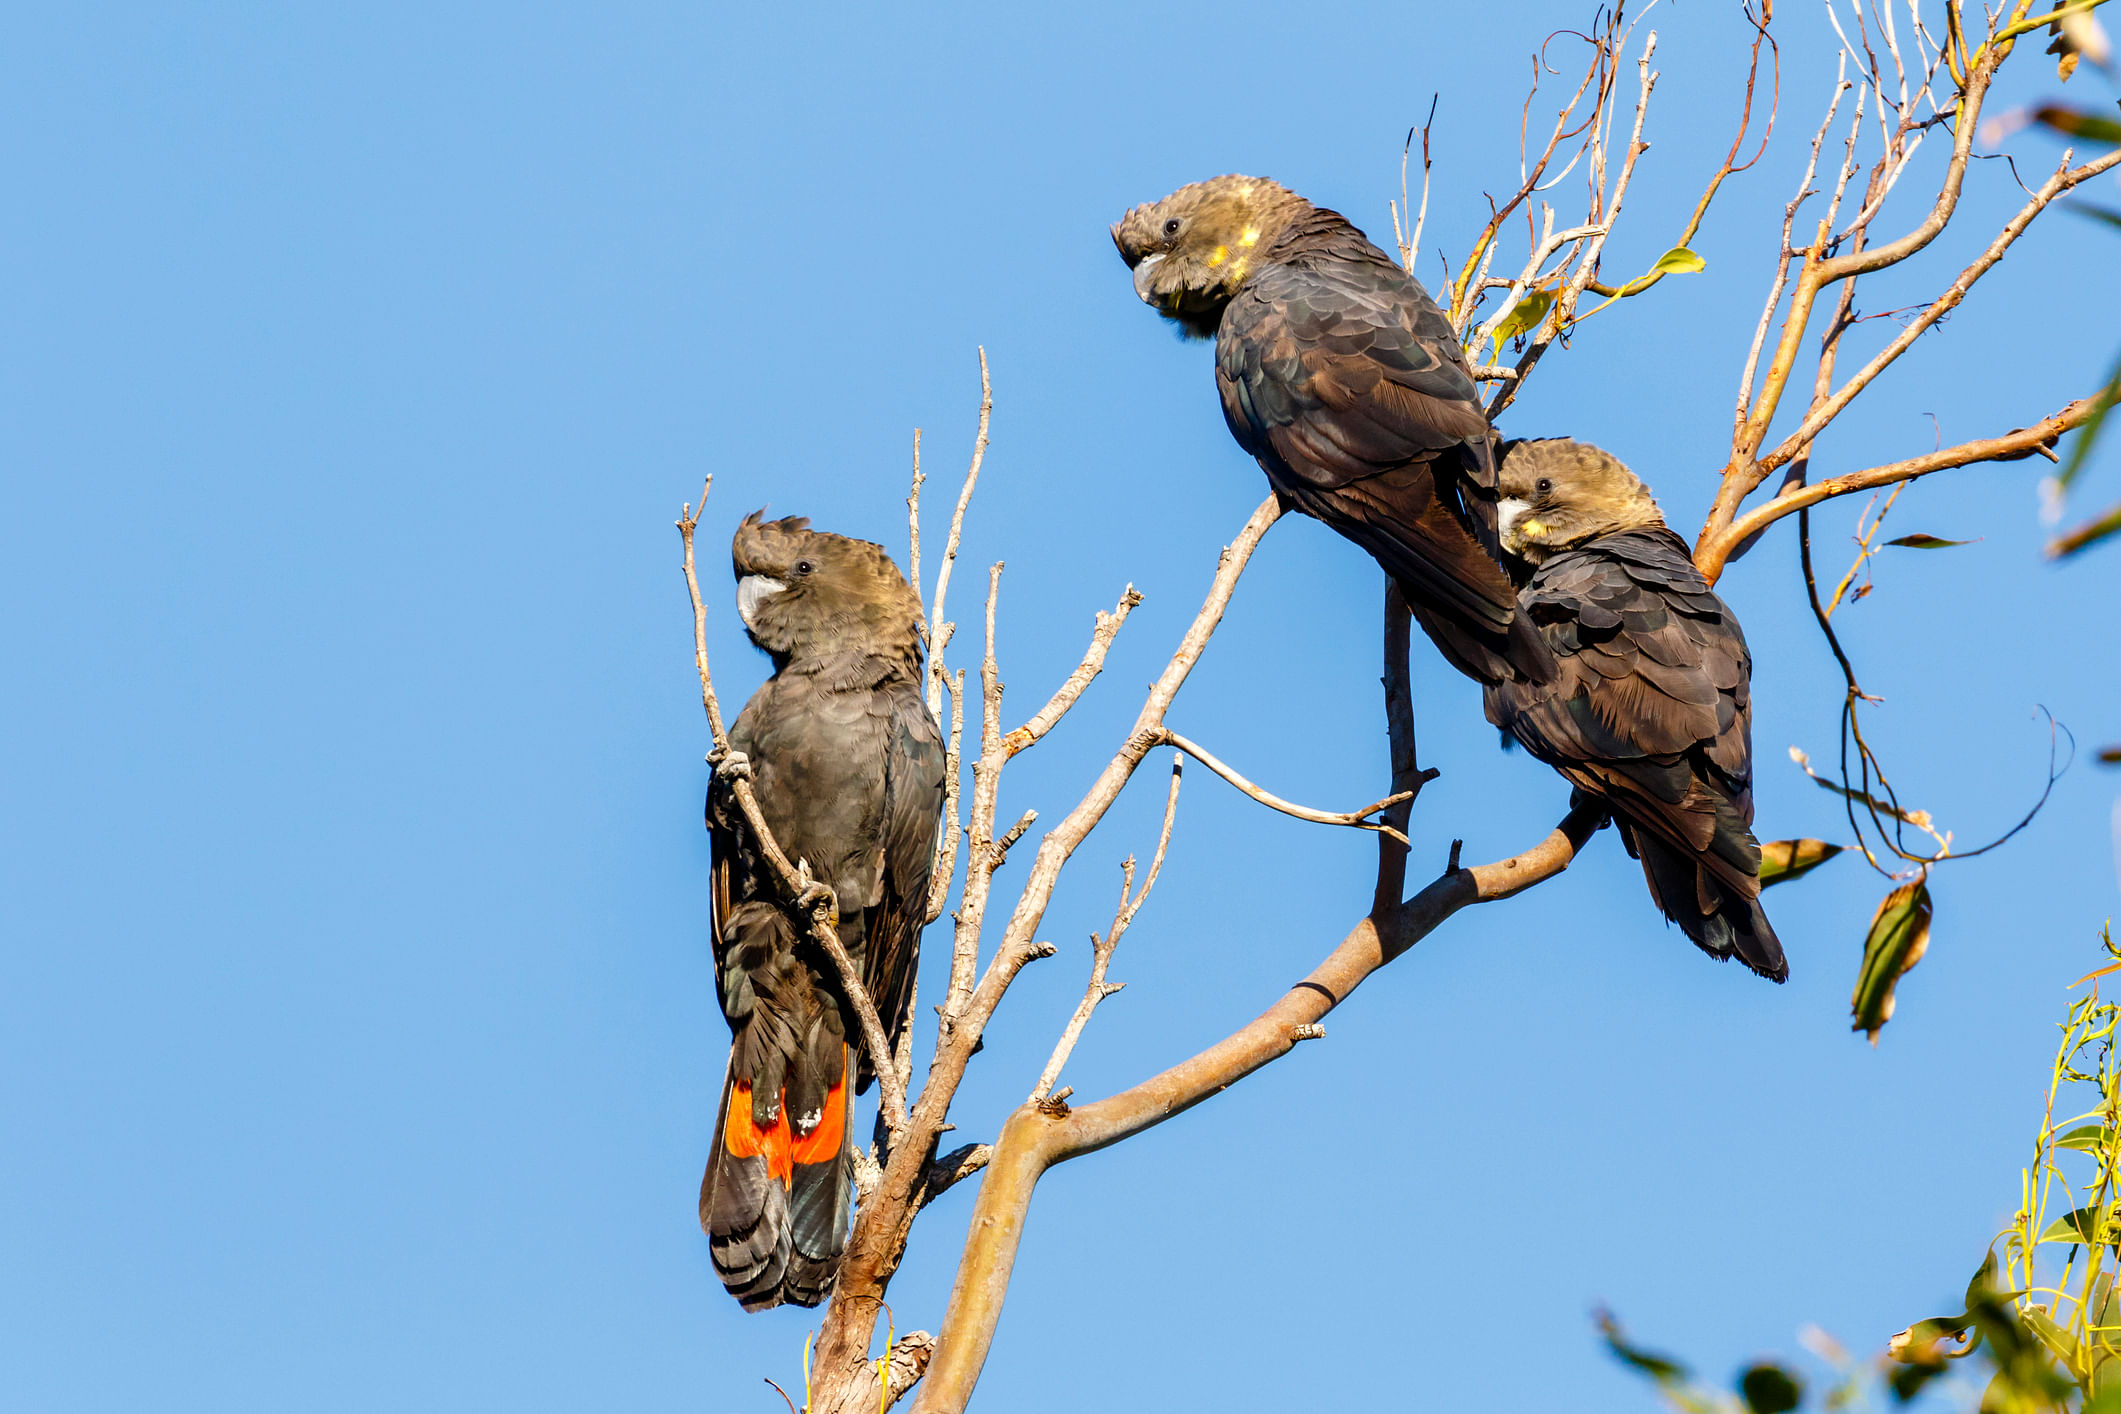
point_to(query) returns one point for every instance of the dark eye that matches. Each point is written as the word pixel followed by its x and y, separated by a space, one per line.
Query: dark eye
pixel 1171 226
pixel 803 566
pixel 1546 487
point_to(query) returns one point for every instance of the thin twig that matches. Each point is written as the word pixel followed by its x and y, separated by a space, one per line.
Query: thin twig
pixel 1066 695
pixel 2011 446
pixel 1036 1137
pixel 1101 949
pixel 1355 819
pixel 938 625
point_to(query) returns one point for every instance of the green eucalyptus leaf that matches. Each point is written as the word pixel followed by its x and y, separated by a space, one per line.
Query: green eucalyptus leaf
pixel 1907 1381
pixel 2105 527
pixel 1930 542
pixel 1982 1283
pixel 2075 122
pixel 1523 317
pixel 1657 1367
pixel 2086 1226
pixel 1680 261
pixel 1921 1343
pixel 1770 1389
pixel 1898 936
pixel 1784 860
pixel 2089 1138
pixel 2051 1335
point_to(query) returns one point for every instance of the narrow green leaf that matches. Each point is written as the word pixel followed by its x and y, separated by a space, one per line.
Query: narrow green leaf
pixel 2087 535
pixel 1680 261
pixel 2088 435
pixel 2098 213
pixel 2051 1335
pixel 1784 860
pixel 1657 1367
pixel 1931 542
pixel 1770 1389
pixel 1899 935
pixel 2075 122
pixel 1982 1284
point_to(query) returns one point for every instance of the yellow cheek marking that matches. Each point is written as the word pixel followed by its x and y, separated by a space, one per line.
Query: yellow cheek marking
pixel 1250 237
pixel 1532 529
pixel 1222 253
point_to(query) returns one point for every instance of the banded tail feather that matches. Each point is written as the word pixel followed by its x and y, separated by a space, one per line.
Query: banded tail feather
pixel 773 1201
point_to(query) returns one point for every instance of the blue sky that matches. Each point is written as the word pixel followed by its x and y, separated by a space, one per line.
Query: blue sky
pixel 358 1042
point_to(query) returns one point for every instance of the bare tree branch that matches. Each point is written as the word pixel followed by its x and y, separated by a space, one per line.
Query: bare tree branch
pixel 1101 949
pixel 1067 694
pixel 908 1177
pixel 2011 446
pixel 1035 1137
pixel 939 628
pixel 1357 819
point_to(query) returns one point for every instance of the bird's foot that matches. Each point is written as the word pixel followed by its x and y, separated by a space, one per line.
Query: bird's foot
pixel 732 764
pixel 818 901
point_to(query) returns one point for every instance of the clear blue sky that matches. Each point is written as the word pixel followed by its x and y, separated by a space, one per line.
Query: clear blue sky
pixel 358 1043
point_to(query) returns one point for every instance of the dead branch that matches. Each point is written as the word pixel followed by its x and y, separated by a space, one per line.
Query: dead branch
pixel 944 871
pixel 1066 695
pixel 1101 949
pixel 1465 294
pixel 1782 266
pixel 1731 166
pixel 804 898
pixel 982 857
pixel 1356 819
pixel 940 629
pixel 1605 211
pixel 908 1177
pixel 1035 1137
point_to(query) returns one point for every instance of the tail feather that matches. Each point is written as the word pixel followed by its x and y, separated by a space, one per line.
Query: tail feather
pixel 1721 920
pixel 773 1201
pixel 744 1203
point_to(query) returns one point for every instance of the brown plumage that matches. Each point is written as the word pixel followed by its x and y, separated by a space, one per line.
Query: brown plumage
pixel 1650 709
pixel 1344 380
pixel 847 765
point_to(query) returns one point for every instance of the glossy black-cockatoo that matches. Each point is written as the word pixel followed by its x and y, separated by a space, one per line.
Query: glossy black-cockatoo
pixel 1650 708
pixel 847 765
pixel 1343 378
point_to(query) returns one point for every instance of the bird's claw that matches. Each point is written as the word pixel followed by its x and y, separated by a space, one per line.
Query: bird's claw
pixel 734 765
pixel 817 898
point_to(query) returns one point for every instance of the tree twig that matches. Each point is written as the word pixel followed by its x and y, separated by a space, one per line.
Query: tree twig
pixel 1035 1137
pixel 1714 552
pixel 1356 819
pixel 1066 695
pixel 1101 949
pixel 938 626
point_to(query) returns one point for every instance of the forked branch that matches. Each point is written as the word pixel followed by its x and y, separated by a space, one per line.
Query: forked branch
pixel 1036 1137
